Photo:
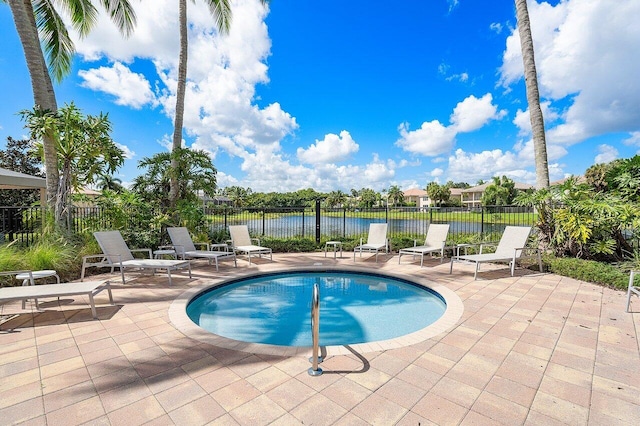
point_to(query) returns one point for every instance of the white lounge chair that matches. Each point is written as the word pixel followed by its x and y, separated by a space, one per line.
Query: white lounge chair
pixel 376 241
pixel 185 248
pixel 509 249
pixel 633 289
pixel 24 292
pixel 241 242
pixel 434 241
pixel 116 254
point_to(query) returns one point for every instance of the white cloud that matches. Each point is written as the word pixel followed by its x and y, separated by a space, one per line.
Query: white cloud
pixel 332 148
pixel 436 172
pixel 470 167
pixel 462 77
pixel 128 153
pixel 431 139
pixel 496 26
pixel 585 56
pixel 633 139
pixel 473 113
pixel 606 154
pixel 223 71
pixel 129 88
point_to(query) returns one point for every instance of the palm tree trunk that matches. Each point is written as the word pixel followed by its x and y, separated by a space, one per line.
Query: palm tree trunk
pixel 174 190
pixel 43 93
pixel 533 96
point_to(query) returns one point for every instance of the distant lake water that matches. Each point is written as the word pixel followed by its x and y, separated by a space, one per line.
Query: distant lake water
pixel 287 226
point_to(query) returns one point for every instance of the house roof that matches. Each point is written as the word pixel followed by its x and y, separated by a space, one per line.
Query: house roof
pixel 481 188
pixel 15 180
pixel 415 192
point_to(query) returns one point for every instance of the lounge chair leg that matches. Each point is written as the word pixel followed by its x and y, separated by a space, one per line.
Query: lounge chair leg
pixel 451 265
pixel 475 274
pixel 93 306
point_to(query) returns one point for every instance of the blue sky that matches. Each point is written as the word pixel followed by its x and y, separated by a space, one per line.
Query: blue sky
pixel 352 94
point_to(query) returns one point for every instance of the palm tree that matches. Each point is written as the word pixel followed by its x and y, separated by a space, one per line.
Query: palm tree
pixel 533 96
pixel 395 195
pixel 221 12
pixel 109 182
pixel 38 21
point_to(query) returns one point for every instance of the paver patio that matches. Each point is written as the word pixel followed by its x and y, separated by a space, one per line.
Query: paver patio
pixel 530 349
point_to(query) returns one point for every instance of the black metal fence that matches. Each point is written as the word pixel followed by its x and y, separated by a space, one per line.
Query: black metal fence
pixel 314 223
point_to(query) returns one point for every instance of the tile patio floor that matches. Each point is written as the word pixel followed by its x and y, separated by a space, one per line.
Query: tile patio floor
pixel 535 349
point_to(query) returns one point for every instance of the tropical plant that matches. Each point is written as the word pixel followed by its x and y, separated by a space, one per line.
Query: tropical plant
pixel 196 173
pixel 237 194
pixel 368 198
pixel 336 199
pixel 501 192
pixel 574 220
pixel 109 182
pixel 78 139
pixel 395 195
pixel 39 26
pixel 438 193
pixel 533 95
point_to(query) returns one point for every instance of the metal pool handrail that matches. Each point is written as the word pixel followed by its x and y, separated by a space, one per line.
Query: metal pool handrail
pixel 315 331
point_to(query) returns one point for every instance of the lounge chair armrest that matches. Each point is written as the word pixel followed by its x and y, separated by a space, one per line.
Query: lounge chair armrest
pixel 179 250
pixel 15 272
pixel 143 250
pixel 205 245
pixel 531 249
pixel 86 260
pixel 256 241
pixel 167 247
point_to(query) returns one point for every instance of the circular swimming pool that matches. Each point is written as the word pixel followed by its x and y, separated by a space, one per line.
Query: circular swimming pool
pixel 355 307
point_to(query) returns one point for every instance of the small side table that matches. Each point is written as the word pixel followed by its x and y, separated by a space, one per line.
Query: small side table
pixel 157 254
pixel 219 246
pixel 337 245
pixel 45 273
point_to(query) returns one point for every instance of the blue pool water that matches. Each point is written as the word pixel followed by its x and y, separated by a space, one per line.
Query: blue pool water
pixel 354 308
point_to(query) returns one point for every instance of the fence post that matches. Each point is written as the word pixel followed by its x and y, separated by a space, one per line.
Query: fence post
pixel 263 220
pixel 344 222
pixel 303 209
pixel 317 221
pixel 481 222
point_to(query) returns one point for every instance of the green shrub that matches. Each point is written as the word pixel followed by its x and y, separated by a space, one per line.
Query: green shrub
pixel 589 270
pixel 291 245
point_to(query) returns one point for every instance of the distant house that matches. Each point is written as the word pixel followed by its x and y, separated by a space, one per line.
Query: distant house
pixel 85 197
pixel 472 197
pixel 418 197
pixel 218 200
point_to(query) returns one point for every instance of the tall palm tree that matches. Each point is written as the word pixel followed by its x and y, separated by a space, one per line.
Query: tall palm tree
pixel 533 95
pixel 39 26
pixel 221 12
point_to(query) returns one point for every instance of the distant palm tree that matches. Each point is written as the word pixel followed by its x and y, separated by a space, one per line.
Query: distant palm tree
pixel 221 12
pixel 533 95
pixel 108 182
pixel 395 195
pixel 38 22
